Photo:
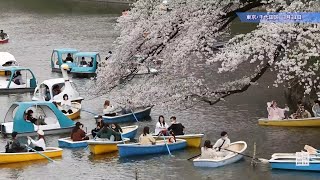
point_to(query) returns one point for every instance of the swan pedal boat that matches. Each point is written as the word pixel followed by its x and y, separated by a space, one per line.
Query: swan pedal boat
pixel 306 122
pixel 128 132
pixel 288 161
pixel 136 149
pixel 101 146
pixel 193 140
pixel 239 146
pixel 51 152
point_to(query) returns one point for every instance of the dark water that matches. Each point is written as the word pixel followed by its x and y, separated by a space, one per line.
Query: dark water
pixel 36 27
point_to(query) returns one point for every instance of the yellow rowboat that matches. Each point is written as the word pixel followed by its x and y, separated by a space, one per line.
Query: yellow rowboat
pixel 100 146
pixel 29 156
pixel 193 140
pixel 307 122
pixel 76 109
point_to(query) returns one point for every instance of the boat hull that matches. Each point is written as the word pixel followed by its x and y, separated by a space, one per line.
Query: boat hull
pixel 83 75
pixel 292 166
pixel 308 122
pixel 16 90
pixel 47 132
pixel 193 140
pixel 51 152
pixel 2 41
pixel 128 117
pixel 127 150
pixel 103 147
pixel 208 163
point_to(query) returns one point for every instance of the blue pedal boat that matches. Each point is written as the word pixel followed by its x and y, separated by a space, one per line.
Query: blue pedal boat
pixel 16 79
pixel 56 122
pixel 128 132
pixel 59 56
pixel 140 114
pixel 135 149
pixel 287 161
pixel 86 64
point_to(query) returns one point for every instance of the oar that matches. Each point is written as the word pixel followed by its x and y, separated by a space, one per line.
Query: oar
pixel 49 159
pixel 164 139
pixel 194 157
pixel 82 110
pixel 265 161
pixel 134 115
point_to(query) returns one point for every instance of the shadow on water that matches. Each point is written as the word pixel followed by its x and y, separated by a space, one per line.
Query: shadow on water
pixel 62 6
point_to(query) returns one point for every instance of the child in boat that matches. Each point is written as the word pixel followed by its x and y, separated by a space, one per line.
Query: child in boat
pixel 66 105
pixel 14 146
pixel 108 133
pixel 146 138
pixel 207 152
pixel 176 127
pixel 40 144
pixel 108 110
pixel 316 108
pixel 78 133
pixel 274 112
pixel 161 126
pixel 99 126
pixel 221 144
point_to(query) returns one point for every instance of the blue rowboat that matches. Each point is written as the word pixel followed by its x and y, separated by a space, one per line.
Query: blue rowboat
pixel 288 161
pixel 239 146
pixel 140 114
pixel 136 149
pixel 128 132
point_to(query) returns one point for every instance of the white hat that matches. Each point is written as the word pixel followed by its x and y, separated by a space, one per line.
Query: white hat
pixel 40 132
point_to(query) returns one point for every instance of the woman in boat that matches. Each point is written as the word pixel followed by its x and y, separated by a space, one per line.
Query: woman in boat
pixel 29 116
pixel 108 110
pixel 108 133
pixel 221 144
pixel 146 138
pixel 17 79
pixel 207 152
pixel 66 105
pixel 161 126
pixel 78 133
pixel 99 126
pixel 40 144
pixel 176 127
pixel 274 112
pixel 316 108
pixel 14 146
pixel 116 127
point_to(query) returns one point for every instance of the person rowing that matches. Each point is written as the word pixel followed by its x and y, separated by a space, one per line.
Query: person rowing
pixel 221 144
pixel 3 35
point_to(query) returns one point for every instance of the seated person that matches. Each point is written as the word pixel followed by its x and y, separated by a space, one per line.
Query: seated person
pixel 176 127
pixel 128 107
pixel 83 62
pixel 91 62
pixel 29 117
pixel 116 127
pixel 99 126
pixel 274 112
pixel 78 133
pixel 17 78
pixel 66 105
pixel 14 146
pixel 3 35
pixel 207 152
pixel 301 113
pixel 221 144
pixel 316 108
pixel 146 138
pixel 107 133
pixel 109 110
pixel 40 144
pixel 56 90
pixel 68 58
pixel 161 126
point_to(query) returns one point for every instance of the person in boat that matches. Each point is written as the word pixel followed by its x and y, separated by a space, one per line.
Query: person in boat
pixel 40 144
pixel 68 58
pixel 99 126
pixel 108 133
pixel 83 62
pixel 176 127
pixel 146 138
pixel 109 110
pixel 172 138
pixel 128 108
pixel 207 152
pixel 116 127
pixel 91 62
pixel 221 144
pixel 56 90
pixel 17 78
pixel 29 116
pixel 316 108
pixel 274 112
pixel 3 35
pixel 14 146
pixel 66 105
pixel 108 55
pixel 301 112
pixel 77 133
pixel 161 126
pixel 47 95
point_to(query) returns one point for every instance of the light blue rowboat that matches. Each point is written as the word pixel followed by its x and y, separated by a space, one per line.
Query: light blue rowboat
pixel 239 146
pixel 288 161
pixel 128 132
pixel 140 114
pixel 126 150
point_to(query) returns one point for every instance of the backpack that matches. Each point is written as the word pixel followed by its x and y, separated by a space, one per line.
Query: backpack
pixel 9 146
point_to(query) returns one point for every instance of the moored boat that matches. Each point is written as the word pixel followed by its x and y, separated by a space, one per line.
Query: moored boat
pixel 307 122
pixel 100 146
pixel 50 152
pixel 128 132
pixel 239 147
pixel 136 149
pixel 139 114
pixel 288 161
pixel 193 140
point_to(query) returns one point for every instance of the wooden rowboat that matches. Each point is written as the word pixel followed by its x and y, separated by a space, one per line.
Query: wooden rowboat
pixel 136 149
pixel 128 132
pixel 100 146
pixel 239 146
pixel 193 140
pixel 307 122
pixel 76 109
pixel 29 156
pixel 288 161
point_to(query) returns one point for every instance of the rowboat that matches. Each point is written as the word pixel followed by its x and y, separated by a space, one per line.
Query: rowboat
pixel 136 149
pixel 5 40
pixel 193 140
pixel 288 161
pixel 307 122
pixel 56 122
pixel 100 146
pixel 58 58
pixel 50 152
pixel 139 114
pixel 239 146
pixel 128 132
pixel 76 109
pixel 86 64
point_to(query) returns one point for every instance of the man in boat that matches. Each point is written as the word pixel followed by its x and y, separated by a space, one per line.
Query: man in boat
pixel 29 117
pixel 3 35
pixel 221 144
pixel 68 58
pixel 14 146
pixel 83 62
pixel 176 127
pixel 301 113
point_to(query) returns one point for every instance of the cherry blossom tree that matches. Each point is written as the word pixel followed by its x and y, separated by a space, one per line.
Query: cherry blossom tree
pixel 182 39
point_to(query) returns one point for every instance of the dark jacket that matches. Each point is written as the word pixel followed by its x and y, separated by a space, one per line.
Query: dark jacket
pixel 14 146
pixel 107 132
pixel 177 129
